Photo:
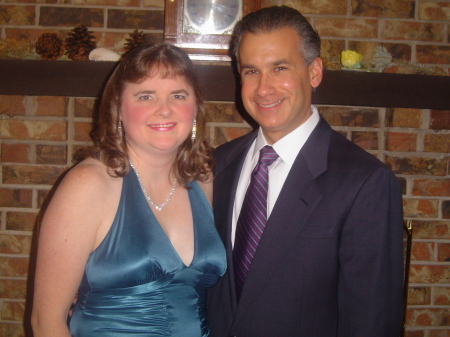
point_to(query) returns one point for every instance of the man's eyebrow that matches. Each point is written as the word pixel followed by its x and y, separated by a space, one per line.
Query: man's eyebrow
pixel 280 62
pixel 274 63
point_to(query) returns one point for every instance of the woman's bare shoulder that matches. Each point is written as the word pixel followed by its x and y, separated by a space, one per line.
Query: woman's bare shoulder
pixel 89 181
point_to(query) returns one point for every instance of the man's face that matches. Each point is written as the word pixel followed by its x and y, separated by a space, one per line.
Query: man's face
pixel 276 83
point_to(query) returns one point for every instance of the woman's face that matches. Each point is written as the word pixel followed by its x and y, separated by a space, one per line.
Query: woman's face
pixel 158 113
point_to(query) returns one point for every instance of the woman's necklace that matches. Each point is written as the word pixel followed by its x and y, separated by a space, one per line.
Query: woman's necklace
pixel 159 208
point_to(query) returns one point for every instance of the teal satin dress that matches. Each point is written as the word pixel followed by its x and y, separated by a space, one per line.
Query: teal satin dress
pixel 135 283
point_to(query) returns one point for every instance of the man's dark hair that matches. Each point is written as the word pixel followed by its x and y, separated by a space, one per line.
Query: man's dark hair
pixel 268 19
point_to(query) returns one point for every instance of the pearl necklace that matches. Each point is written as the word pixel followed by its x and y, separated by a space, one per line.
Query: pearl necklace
pixel 159 208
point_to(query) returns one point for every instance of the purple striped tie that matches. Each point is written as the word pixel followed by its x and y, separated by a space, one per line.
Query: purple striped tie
pixel 253 218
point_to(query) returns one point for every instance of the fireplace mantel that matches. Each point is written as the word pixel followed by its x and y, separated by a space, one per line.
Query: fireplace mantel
pixel 348 88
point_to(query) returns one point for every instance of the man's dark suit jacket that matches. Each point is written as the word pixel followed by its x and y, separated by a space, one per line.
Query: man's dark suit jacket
pixel 330 260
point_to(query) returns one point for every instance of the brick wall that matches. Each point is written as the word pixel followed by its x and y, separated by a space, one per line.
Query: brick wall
pixel 39 135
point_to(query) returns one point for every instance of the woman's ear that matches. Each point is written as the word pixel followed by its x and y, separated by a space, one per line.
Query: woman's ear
pixel 315 72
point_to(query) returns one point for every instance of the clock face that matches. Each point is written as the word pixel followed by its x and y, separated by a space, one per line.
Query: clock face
pixel 211 16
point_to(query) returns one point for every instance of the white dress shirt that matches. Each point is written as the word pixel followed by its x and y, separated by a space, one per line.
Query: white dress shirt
pixel 287 149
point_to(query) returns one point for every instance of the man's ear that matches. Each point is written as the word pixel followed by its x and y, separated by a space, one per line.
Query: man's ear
pixel 315 72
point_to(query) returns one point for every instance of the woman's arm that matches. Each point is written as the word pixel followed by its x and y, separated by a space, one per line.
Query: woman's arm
pixel 72 227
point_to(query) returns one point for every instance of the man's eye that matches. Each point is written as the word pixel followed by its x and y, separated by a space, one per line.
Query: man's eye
pixel 280 68
pixel 251 72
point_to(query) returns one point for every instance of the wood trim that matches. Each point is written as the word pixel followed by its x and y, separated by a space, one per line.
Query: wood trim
pixel 219 83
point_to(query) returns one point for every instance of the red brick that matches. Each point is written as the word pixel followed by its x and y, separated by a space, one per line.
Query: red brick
pixel 431 10
pixel 42 197
pixel 15 197
pixel 429 274
pixel 429 317
pixel 13 289
pixel 12 329
pixel 80 152
pixel 31 35
pixel 422 251
pixel 12 105
pixel 330 51
pixel 431 229
pixel 414 333
pixel 413 31
pixel 51 154
pixel 348 28
pixel 16 153
pixel 384 8
pixel 431 187
pixel 22 174
pixel 84 107
pixel 419 295
pixel 51 106
pixel 439 333
pixel 222 113
pixel 444 252
pixel 33 130
pixel 367 140
pixel 127 3
pixel 15 244
pixel 82 131
pixel 334 7
pixel 427 54
pixel 422 208
pixel 13 266
pixel 13 311
pixel 417 165
pixel 439 119
pixel 17 15
pixel 441 296
pixel 20 221
pixel 406 118
pixel 70 17
pixel 344 116
pixel 130 19
pixel 154 3
pixel 399 141
pixel 224 134
pixel 437 143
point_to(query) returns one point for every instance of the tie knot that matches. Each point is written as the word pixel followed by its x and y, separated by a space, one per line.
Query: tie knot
pixel 267 155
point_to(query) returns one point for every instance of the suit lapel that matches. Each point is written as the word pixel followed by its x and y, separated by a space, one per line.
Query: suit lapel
pixel 296 201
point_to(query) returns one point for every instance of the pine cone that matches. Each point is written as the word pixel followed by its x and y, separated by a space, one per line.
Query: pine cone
pixel 136 39
pixel 79 44
pixel 49 46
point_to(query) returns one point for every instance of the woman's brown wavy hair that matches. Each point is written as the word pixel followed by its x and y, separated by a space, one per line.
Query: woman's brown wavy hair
pixel 193 160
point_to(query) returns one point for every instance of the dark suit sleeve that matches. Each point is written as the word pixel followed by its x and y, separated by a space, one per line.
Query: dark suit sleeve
pixel 371 258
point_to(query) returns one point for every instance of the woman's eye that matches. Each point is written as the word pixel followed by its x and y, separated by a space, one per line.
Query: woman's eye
pixel 145 97
pixel 178 97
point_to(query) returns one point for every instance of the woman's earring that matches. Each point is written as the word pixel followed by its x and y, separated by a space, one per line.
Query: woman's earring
pixel 119 129
pixel 194 130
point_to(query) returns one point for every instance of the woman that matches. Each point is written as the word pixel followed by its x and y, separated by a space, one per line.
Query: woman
pixel 131 228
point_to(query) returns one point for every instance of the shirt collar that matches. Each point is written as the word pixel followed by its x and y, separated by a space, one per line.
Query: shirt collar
pixel 290 145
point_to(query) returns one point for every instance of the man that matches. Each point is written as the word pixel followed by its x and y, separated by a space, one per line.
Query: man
pixel 326 259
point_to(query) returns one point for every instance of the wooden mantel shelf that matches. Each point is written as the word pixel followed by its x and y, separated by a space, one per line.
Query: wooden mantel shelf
pixel 348 88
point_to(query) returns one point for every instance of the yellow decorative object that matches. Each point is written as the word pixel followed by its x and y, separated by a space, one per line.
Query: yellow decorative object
pixel 350 59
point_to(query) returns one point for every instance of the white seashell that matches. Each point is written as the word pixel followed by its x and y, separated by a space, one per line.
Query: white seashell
pixel 103 54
